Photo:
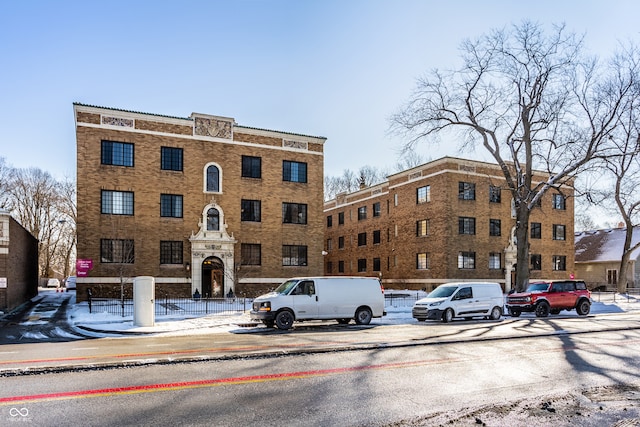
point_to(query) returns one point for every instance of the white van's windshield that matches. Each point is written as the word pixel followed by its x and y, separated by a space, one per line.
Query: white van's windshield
pixel 443 292
pixel 286 287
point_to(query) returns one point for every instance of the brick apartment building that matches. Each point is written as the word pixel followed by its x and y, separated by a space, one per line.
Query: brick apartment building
pixel 18 263
pixel 199 203
pixel 447 220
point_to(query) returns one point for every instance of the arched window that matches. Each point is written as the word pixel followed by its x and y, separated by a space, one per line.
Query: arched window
pixel 213 219
pixel 213 179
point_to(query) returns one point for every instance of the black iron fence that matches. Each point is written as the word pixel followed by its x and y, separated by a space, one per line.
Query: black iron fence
pixel 632 295
pixel 172 306
pixel 165 306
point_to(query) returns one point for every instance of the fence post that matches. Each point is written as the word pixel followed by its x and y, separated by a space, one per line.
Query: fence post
pixel 89 298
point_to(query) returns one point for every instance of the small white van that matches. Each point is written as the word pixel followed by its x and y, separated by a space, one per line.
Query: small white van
pixel 319 298
pixel 466 300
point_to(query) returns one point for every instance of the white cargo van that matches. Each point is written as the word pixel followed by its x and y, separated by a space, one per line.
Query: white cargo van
pixel 315 298
pixel 461 300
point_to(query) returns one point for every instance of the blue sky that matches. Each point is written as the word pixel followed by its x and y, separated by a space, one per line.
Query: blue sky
pixel 328 68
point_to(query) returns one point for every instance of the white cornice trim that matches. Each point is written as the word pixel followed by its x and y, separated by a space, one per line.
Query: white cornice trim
pixel 199 138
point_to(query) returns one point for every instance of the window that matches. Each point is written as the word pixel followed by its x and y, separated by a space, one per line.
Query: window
pixel 376 209
pixel 495 261
pixel 376 237
pixel 422 261
pixel 294 255
pixel 340 218
pixel 559 202
pixel 117 153
pixel 329 221
pixel 423 194
pixel 294 213
pixel 171 205
pixel 494 227
pixel 251 167
pixel 251 254
pixel 294 171
pixel 536 230
pixel 213 179
pixel 559 263
pixel 558 232
pixel 536 262
pixel 329 245
pixel 376 264
pixel 466 260
pixel 362 265
pixel 171 159
pixel 341 242
pixel 466 225
pixel 170 252
pixel 213 219
pixel 362 239
pixel 422 227
pixel 117 202
pixel 466 191
pixel 494 194
pixel 117 251
pixel 340 266
pixel 362 213
pixel 612 277
pixel 463 293
pixel 250 210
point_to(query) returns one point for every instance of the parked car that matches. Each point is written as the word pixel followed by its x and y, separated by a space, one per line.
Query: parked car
pixel 53 283
pixel 316 298
pixel 551 297
pixel 70 283
pixel 466 300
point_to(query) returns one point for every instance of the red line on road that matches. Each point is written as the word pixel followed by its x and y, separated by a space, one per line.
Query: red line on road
pixel 208 383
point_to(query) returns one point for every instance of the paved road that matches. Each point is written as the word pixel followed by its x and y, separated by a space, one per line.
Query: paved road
pixel 42 320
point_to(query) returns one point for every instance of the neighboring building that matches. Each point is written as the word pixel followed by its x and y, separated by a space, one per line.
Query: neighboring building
pixel 450 219
pixel 598 256
pixel 199 203
pixel 18 263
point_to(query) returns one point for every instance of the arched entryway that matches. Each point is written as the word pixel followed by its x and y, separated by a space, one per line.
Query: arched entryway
pixel 212 277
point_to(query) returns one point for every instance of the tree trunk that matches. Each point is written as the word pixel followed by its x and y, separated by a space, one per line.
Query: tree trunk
pixel 624 262
pixel 522 239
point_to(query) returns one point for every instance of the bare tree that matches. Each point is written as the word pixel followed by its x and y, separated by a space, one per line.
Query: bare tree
pixel 624 167
pixel 352 181
pixel 33 199
pixel 5 171
pixel 533 101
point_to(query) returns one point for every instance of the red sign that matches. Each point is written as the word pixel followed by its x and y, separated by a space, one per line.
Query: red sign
pixel 83 266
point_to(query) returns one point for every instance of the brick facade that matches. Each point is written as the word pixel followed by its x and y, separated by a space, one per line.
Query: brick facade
pixel 204 141
pixel 399 244
pixel 18 263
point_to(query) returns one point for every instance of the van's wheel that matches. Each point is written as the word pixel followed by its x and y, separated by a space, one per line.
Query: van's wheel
pixel 268 323
pixel 542 309
pixel 496 312
pixel 447 316
pixel 583 307
pixel 363 316
pixel 344 321
pixel 284 320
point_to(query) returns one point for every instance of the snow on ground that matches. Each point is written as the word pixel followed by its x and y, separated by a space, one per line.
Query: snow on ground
pixel 398 312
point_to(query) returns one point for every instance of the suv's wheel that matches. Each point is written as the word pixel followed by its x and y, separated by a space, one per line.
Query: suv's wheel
pixel 583 307
pixel 515 312
pixel 447 316
pixel 363 316
pixel 284 320
pixel 542 309
pixel 496 312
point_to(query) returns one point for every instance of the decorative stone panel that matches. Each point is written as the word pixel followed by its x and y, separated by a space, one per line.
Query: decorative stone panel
pixel 215 128
pixel 300 145
pixel 117 121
